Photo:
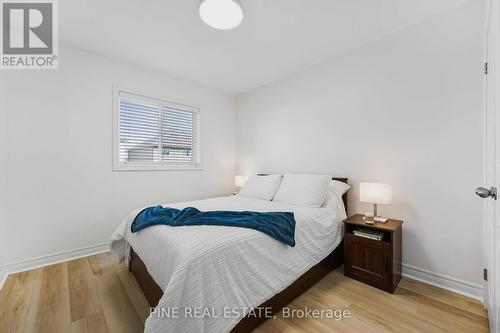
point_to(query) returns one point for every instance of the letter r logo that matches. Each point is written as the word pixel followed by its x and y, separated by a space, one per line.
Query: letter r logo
pixel 27 28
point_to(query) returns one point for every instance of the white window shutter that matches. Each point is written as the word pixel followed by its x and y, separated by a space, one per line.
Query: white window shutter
pixel 157 133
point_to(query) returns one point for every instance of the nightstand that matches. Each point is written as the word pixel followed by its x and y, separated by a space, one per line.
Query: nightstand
pixel 374 262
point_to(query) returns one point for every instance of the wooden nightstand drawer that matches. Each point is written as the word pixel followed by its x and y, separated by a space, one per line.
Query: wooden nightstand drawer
pixel 374 262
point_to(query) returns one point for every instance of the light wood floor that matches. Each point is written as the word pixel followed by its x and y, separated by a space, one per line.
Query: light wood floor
pixel 96 294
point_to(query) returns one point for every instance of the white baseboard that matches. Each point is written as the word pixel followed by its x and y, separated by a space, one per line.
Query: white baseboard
pixel 455 285
pixel 50 259
pixel 3 275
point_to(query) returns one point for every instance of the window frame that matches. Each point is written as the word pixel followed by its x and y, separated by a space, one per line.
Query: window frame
pixel 153 166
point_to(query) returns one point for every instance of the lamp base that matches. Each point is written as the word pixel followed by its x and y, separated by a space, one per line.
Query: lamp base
pixel 380 219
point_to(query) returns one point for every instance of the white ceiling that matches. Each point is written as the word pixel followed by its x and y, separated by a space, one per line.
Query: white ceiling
pixel 276 38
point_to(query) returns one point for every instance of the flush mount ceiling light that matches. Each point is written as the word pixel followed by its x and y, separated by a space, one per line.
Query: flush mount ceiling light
pixel 221 14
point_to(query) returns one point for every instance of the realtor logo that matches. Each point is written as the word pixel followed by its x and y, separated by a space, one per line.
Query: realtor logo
pixel 29 34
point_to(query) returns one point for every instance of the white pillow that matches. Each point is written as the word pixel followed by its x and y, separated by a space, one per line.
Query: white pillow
pixel 335 188
pixel 261 187
pixel 303 190
pixel 334 195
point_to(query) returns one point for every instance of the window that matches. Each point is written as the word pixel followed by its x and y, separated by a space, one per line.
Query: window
pixel 153 134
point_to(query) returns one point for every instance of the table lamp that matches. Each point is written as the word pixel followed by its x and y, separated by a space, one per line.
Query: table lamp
pixel 240 180
pixel 375 193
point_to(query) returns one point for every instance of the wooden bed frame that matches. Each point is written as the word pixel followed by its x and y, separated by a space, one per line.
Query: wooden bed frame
pixel 153 292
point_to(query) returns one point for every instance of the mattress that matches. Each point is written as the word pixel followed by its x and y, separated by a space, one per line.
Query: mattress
pixel 212 276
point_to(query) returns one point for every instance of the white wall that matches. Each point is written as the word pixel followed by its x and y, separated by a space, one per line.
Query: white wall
pixel 404 110
pixel 3 175
pixel 58 190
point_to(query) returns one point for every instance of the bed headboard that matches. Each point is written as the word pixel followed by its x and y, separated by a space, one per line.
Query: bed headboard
pixel 339 179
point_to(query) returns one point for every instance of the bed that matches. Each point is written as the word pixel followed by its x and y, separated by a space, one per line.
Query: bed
pixel 219 271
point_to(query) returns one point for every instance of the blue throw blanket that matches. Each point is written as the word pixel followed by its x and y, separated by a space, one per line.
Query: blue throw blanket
pixel 279 225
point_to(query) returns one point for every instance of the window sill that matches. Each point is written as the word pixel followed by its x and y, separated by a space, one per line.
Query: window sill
pixel 155 168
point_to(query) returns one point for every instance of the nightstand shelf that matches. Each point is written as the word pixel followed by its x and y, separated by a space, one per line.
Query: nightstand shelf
pixel 374 262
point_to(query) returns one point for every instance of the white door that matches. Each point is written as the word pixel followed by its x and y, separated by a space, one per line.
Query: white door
pixel 492 164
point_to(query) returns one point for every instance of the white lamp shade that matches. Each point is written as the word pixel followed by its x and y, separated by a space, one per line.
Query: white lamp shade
pixel 240 180
pixel 375 193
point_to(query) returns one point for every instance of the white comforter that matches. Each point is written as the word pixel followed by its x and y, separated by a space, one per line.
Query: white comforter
pixel 206 267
